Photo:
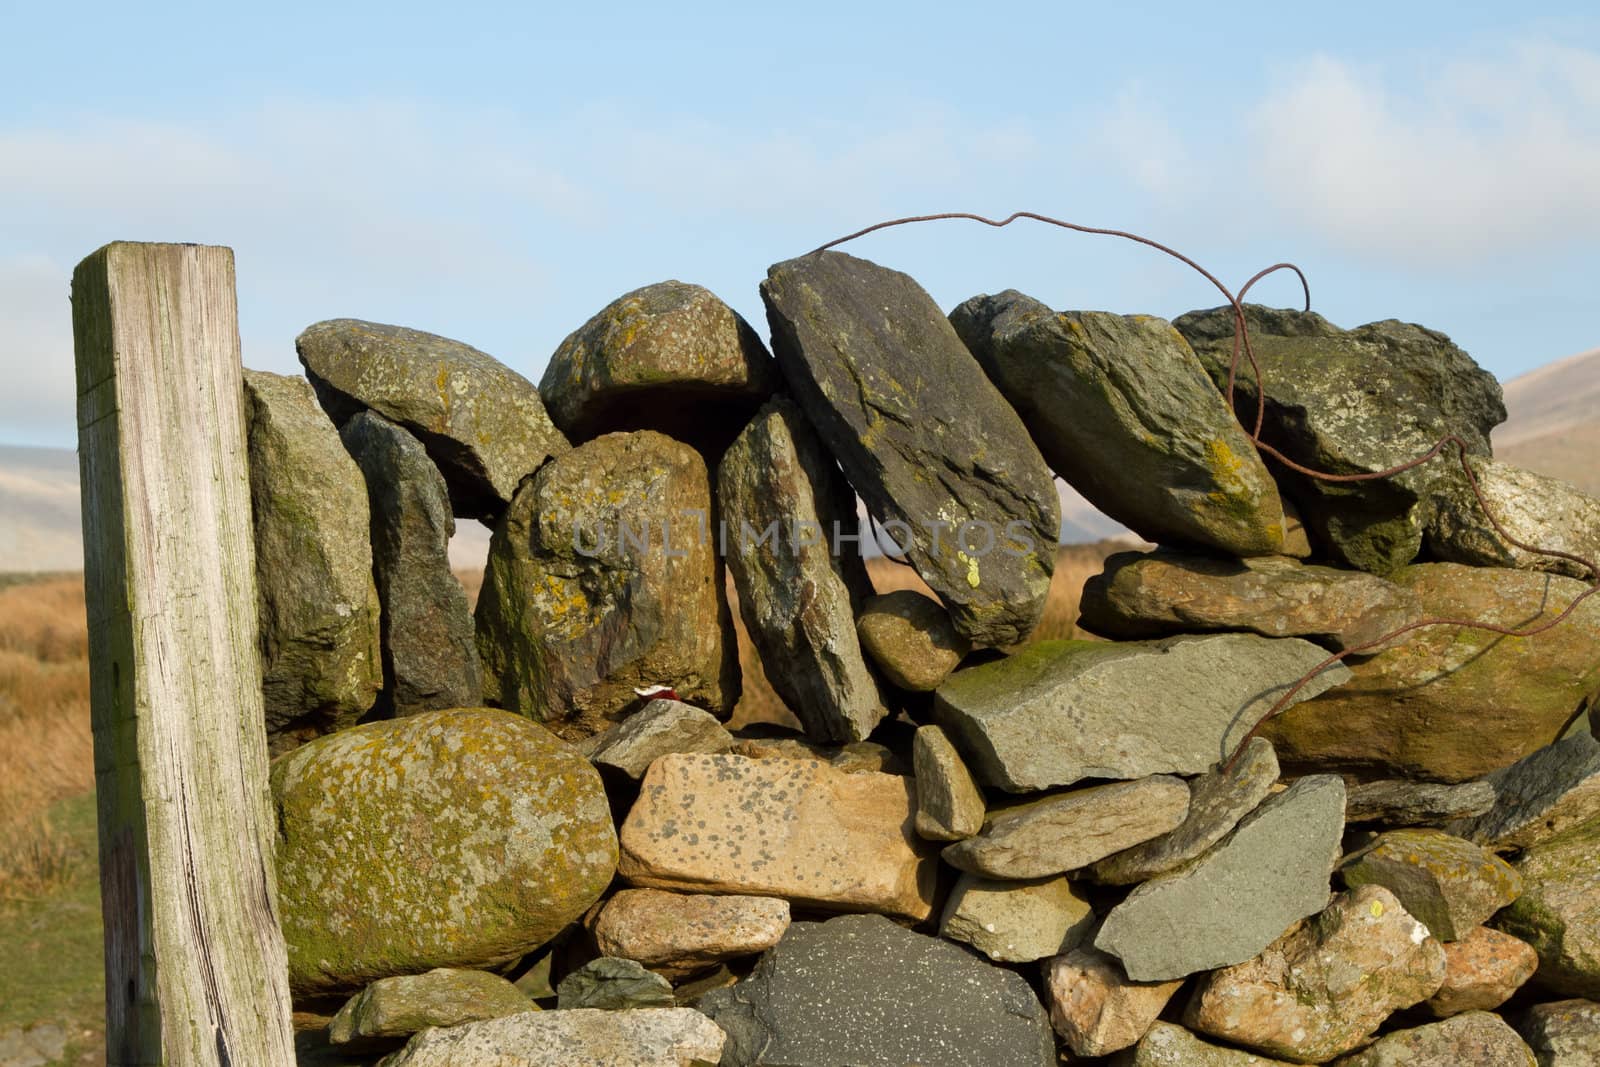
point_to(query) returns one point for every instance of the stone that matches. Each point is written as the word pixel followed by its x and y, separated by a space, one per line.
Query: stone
pixel 1535 509
pixel 910 639
pixel 1563 1033
pixel 459 838
pixel 483 423
pixel 1095 1008
pixel 1401 802
pixel 1228 905
pixel 392 1009
pixel 1355 402
pixel 603 579
pixel 1327 983
pixel 797 596
pixel 1452 703
pixel 1218 799
pixel 1058 711
pixel 949 806
pixel 38 1045
pixel 1559 910
pixel 797 829
pixel 679 934
pixel 1156 594
pixel 660 727
pixel 1125 413
pixel 1541 795
pixel 1476 1039
pixel 321 663
pixel 894 394
pixel 1166 1045
pixel 669 357
pixel 429 659
pixel 1447 883
pixel 1016 922
pixel 1481 971
pixel 613 984
pixel 860 990
pixel 643 1037
pixel 1069 831
pixel 857 757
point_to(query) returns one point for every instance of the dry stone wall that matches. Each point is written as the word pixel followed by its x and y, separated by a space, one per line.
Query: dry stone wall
pixel 977 849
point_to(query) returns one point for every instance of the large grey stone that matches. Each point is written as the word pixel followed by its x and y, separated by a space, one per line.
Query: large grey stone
pixel 1402 802
pixel 1154 594
pixel 660 727
pixel 1168 1045
pixel 1541 795
pixel 603 579
pixel 1447 883
pixel 1058 711
pixel 1558 912
pixel 462 838
pixel 1356 402
pixel 429 659
pixel 1123 410
pixel 922 435
pixel 860 990
pixel 669 357
pixel 482 422
pixel 798 597
pixel 321 664
pixel 392 1009
pixel 1218 799
pixel 1016 922
pixel 1229 904
pixel 1537 510
pixel 1069 831
pixel 1476 1039
pixel 1565 1033
pixel 584 1037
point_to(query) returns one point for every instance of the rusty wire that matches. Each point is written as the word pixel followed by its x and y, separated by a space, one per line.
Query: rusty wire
pixel 1242 348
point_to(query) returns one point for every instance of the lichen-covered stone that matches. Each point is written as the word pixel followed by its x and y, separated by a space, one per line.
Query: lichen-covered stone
pixel 798 597
pixel 1541 795
pixel 681 934
pixel 1167 1045
pixel 660 727
pixel 862 991
pixel 1559 910
pixel 1447 883
pixel 1534 509
pixel 1229 904
pixel 611 983
pixel 1218 799
pixel 584 1037
pixel 1327 983
pixel 1481 971
pixel 910 639
pixel 1155 594
pixel 1123 410
pixel 1355 402
pixel 1094 1006
pixel 482 422
pixel 395 1008
pixel 1058 711
pixel 1401 802
pixel 669 357
pixel 1452 703
pixel 1564 1033
pixel 949 806
pixel 321 665
pixel 1069 831
pixel 602 579
pixel 429 659
pixel 1476 1039
pixel 459 838
pixel 797 829
pixel 922 435
pixel 1016 922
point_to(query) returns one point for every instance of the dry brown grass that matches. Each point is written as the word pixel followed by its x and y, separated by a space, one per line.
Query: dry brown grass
pixel 46 751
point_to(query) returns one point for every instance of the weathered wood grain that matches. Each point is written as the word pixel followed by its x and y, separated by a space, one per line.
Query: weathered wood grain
pixel 195 963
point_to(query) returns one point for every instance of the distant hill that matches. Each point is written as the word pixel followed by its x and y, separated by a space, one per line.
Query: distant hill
pixel 39 528
pixel 1554 423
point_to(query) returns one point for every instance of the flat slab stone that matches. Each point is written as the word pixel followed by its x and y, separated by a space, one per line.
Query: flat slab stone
pixel 949 806
pixel 1564 1033
pixel 1559 910
pixel 584 1037
pixel 860 990
pixel 1476 1039
pixel 1069 831
pixel 1233 901
pixel 1401 802
pixel 1218 799
pixel 1447 883
pixel 1095 1008
pixel 1058 711
pixel 481 421
pixel 1541 795
pixel 1167 1045
pixel 1481 971
pixel 660 727
pixel 395 1008
pixel 1016 922
pixel 895 394
pixel 797 829
pixel 680 934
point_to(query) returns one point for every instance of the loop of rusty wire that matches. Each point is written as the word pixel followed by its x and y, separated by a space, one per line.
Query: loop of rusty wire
pixel 1242 348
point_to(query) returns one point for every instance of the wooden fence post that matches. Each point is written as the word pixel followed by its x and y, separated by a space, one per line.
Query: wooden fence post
pixel 195 966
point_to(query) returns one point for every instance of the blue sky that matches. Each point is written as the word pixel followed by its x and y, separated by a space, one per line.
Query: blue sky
pixel 497 173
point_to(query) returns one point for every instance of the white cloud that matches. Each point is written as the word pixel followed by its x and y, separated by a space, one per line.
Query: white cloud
pixel 1488 157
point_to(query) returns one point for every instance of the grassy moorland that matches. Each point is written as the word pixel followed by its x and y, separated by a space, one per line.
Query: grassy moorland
pixel 50 931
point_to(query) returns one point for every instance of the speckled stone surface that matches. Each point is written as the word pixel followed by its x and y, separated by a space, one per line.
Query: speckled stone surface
pixel 1482 970
pixel 798 829
pixel 1094 1006
pixel 1016 922
pixel 1563 1033
pixel 1166 1045
pixel 860 990
pixel 1447 883
pixel 458 838
pixel 585 1037
pixel 1476 1039
pixel 1533 508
